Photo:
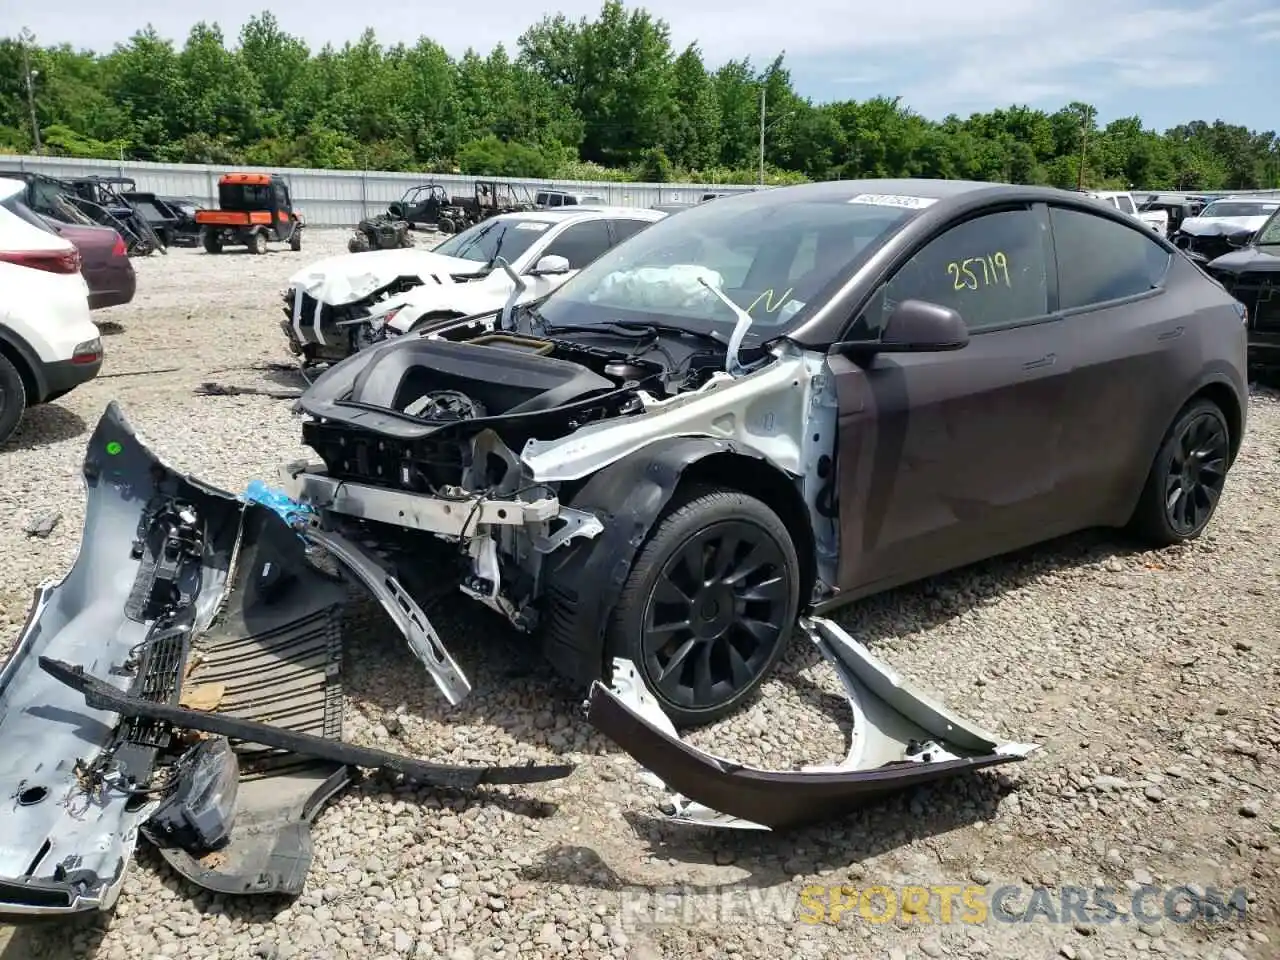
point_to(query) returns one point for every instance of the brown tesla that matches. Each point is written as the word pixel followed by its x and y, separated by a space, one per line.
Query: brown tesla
pixel 786 400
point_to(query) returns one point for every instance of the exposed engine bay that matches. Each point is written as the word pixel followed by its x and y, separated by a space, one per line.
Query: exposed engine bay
pixel 485 432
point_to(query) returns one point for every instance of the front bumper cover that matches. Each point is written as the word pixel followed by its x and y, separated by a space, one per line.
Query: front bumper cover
pixel 900 738
pixel 181 589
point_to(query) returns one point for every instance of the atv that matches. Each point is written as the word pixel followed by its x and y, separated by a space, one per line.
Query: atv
pixel 380 233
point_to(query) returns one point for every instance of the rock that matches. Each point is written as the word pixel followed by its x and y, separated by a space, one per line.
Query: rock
pixel 1250 809
pixel 1154 794
pixel 931 948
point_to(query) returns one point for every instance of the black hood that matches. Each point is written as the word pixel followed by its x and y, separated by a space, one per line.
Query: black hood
pixel 1248 260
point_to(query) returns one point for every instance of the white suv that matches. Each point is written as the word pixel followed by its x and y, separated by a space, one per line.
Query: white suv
pixel 48 343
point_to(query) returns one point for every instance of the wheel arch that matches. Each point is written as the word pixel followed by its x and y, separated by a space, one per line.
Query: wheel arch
pixel 26 361
pixel 583 581
pixel 1227 399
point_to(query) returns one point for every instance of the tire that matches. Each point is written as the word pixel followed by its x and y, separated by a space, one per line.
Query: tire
pixel 295 239
pixel 1185 482
pixel 257 243
pixel 13 399
pixel 358 243
pixel 212 242
pixel 711 517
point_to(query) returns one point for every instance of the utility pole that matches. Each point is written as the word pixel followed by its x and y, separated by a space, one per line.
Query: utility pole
pixel 762 93
pixel 1085 123
pixel 29 76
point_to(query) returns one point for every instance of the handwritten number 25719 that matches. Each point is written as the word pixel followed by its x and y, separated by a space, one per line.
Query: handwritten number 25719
pixel 995 270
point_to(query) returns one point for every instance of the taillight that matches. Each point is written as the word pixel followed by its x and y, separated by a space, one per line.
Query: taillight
pixel 119 250
pixel 90 351
pixel 56 261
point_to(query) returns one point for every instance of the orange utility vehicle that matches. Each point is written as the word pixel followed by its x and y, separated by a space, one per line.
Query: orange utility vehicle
pixel 253 209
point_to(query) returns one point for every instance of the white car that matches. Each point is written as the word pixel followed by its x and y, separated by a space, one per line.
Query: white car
pixel 48 343
pixel 1124 201
pixel 341 304
pixel 1226 224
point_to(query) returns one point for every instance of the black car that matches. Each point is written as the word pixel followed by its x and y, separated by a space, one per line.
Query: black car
pixel 1252 276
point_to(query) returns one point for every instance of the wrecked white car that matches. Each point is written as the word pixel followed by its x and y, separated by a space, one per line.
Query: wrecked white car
pixel 341 304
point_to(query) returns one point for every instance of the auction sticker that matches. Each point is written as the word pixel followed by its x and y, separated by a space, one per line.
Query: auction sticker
pixel 890 200
pixel 532 225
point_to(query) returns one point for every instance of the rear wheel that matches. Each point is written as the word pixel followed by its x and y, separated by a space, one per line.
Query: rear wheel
pixel 212 242
pixel 359 243
pixel 1187 477
pixel 709 606
pixel 295 239
pixel 258 243
pixel 13 398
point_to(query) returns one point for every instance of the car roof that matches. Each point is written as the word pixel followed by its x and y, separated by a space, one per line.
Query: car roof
pixel 10 186
pixel 586 212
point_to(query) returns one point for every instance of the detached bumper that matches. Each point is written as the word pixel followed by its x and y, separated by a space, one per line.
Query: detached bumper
pixel 188 609
pixel 900 738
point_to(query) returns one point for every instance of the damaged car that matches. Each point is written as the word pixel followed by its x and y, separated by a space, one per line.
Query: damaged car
pixel 698 446
pixel 780 402
pixel 344 303
pixel 1252 276
pixel 1226 224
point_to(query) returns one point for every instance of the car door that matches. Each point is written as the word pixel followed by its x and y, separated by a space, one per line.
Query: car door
pixel 1123 330
pixel 947 458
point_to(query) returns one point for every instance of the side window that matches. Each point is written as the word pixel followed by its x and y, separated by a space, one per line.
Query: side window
pixel 570 200
pixel 44 196
pixel 991 270
pixel 1125 204
pixel 1101 260
pixel 622 229
pixel 580 243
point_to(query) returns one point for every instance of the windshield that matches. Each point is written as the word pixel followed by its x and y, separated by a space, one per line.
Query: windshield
pixel 773 259
pixel 1240 208
pixel 509 236
pixel 1269 235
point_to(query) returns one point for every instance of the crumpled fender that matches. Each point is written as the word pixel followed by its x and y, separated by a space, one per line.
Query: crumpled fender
pixel 900 738
pixel 627 496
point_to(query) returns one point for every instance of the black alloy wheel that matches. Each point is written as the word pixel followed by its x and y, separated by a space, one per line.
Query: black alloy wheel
pixel 1186 480
pixel 710 604
pixel 1196 472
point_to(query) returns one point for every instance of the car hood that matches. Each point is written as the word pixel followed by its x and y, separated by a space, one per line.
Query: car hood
pixel 483 294
pixel 349 277
pixel 1222 226
pixel 1249 260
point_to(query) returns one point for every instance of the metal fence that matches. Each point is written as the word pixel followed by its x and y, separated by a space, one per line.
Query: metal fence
pixel 344 197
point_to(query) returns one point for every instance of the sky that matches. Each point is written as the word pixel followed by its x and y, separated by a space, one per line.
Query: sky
pixel 1167 61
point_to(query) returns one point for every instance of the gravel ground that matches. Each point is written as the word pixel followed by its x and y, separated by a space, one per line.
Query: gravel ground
pixel 1150 678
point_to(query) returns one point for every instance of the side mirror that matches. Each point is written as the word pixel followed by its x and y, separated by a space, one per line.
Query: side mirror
pixel 550 266
pixel 915 326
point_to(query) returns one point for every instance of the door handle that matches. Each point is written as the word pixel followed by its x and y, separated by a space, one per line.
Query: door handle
pixel 1173 334
pixel 1048 360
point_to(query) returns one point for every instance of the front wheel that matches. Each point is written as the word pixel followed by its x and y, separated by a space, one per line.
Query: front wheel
pixel 1186 479
pixel 295 239
pixel 709 606
pixel 258 243
pixel 212 242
